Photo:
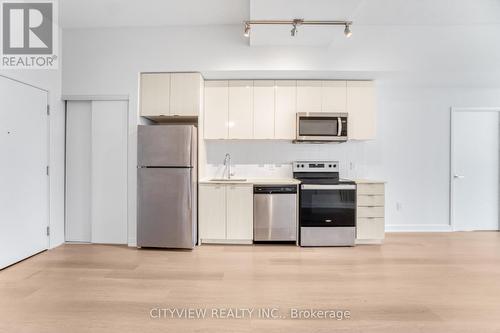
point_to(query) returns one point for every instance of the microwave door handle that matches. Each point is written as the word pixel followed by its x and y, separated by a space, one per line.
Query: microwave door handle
pixel 339 120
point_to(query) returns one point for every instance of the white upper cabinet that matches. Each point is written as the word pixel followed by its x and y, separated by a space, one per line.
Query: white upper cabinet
pixel 185 94
pixel 263 109
pixel 285 110
pixel 267 109
pixel 155 94
pixel 309 96
pixel 361 109
pixel 171 94
pixel 333 96
pixel 216 109
pixel 240 120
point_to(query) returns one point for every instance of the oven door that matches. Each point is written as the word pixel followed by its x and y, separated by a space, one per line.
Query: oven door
pixel 321 126
pixel 327 205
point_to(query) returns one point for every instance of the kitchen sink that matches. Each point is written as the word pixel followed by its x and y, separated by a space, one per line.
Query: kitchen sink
pixel 228 180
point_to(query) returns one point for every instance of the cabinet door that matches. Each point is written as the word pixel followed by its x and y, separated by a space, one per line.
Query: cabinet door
pixel 185 94
pixel 361 109
pixel 239 225
pixel 240 110
pixel 212 211
pixel 155 94
pixel 216 109
pixel 263 109
pixel 333 96
pixel 308 96
pixel 370 228
pixel 286 110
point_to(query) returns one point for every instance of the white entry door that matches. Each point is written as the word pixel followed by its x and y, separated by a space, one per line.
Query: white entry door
pixel 475 170
pixel 96 171
pixel 24 192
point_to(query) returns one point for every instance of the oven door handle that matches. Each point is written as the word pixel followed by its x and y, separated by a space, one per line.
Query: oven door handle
pixel 327 187
pixel 340 126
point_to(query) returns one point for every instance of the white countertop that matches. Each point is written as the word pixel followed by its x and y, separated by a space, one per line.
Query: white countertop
pixel 368 181
pixel 256 181
pixel 278 181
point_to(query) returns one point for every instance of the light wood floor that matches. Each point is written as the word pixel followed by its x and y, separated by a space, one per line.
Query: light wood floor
pixel 447 282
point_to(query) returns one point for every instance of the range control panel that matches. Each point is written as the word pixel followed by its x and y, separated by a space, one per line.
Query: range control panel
pixel 316 166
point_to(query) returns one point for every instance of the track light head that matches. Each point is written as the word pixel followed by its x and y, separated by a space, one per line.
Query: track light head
pixel 347 31
pixel 247 30
pixel 295 24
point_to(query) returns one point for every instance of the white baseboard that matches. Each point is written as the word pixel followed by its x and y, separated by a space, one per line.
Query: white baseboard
pixel 418 228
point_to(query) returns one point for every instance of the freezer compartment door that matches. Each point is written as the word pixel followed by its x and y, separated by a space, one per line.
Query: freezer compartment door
pixel 275 217
pixel 166 213
pixel 166 145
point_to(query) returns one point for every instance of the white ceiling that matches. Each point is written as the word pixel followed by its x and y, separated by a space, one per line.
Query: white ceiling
pixel 133 13
pixel 364 14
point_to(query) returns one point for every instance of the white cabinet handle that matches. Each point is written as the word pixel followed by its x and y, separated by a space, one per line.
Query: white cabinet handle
pixel 458 176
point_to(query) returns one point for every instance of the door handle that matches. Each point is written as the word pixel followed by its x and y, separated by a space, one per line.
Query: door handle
pixel 458 176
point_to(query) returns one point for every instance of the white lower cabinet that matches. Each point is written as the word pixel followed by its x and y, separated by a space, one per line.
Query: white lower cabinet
pixel 212 211
pixel 370 212
pixel 239 212
pixel 226 213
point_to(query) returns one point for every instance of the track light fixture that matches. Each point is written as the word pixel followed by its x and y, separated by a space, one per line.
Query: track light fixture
pixel 247 30
pixel 295 23
pixel 347 31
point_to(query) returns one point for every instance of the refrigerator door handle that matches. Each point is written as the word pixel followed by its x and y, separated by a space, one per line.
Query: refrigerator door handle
pixel 190 192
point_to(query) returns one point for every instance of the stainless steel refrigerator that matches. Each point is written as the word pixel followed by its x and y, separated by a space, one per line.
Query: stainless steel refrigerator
pixel 167 186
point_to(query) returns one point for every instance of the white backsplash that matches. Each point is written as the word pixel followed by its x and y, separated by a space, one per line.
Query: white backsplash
pixel 273 159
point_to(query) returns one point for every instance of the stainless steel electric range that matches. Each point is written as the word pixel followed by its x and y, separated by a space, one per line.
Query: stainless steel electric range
pixel 327 205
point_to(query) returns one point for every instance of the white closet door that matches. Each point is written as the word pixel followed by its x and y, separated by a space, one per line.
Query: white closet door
pixel 24 196
pixel 109 172
pixel 96 172
pixel 78 152
pixel 475 155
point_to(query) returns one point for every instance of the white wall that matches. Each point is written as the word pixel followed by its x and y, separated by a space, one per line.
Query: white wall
pixel 50 80
pixel 421 71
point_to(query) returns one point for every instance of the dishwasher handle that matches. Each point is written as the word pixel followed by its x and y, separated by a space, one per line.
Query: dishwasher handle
pixel 275 189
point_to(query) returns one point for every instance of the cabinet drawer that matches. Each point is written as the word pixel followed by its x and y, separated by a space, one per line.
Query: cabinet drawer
pixel 370 200
pixel 370 228
pixel 370 189
pixel 370 212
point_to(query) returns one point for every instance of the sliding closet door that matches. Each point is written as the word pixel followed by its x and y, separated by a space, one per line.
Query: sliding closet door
pixel 78 153
pixel 109 172
pixel 96 172
pixel 24 191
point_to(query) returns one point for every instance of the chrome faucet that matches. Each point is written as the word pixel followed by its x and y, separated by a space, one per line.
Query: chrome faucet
pixel 227 163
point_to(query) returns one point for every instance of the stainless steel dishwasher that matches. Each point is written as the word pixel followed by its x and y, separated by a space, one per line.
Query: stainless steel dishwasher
pixel 275 213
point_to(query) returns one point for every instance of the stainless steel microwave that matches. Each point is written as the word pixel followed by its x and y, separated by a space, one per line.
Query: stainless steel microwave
pixel 321 127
